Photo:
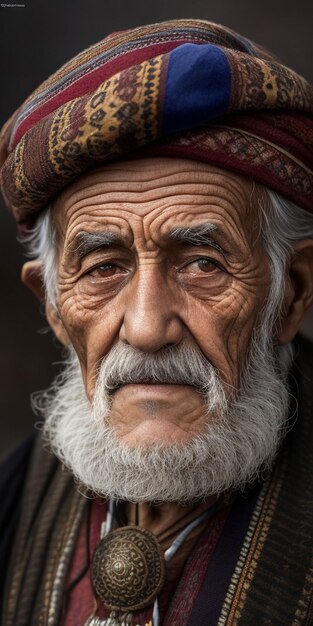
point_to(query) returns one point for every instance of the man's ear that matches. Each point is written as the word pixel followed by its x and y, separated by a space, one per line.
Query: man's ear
pixel 56 324
pixel 299 291
pixel 31 276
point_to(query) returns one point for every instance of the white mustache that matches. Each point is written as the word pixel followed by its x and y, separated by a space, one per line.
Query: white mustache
pixel 179 365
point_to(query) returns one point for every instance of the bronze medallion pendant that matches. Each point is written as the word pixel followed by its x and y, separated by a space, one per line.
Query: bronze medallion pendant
pixel 128 569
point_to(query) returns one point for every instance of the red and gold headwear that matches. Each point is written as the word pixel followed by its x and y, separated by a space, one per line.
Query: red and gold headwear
pixel 185 88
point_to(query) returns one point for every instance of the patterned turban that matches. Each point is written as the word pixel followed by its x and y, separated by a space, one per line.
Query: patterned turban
pixel 184 88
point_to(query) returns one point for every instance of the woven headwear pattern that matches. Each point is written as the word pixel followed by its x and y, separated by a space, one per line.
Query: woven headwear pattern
pixel 185 88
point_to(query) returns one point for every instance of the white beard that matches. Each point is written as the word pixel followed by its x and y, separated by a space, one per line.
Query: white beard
pixel 239 441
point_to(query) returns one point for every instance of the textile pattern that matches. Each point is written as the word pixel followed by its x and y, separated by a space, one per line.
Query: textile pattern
pixel 272 584
pixel 150 85
pixel 272 580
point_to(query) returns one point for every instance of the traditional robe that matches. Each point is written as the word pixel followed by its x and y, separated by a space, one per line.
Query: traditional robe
pixel 259 572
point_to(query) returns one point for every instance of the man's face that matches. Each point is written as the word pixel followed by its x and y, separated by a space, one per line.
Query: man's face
pixel 179 259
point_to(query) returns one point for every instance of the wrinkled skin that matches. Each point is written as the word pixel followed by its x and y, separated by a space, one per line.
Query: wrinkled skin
pixel 151 292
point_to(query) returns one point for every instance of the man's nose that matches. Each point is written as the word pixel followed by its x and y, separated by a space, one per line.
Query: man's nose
pixel 151 319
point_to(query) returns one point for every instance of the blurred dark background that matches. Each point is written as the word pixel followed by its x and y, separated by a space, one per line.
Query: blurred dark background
pixel 34 42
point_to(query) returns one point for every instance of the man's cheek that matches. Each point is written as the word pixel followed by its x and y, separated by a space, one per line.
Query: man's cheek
pixel 223 333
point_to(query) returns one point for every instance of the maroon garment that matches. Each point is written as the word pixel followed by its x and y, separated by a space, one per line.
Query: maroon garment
pixel 80 600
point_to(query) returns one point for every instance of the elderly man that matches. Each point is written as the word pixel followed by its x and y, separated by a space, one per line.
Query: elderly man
pixel 162 181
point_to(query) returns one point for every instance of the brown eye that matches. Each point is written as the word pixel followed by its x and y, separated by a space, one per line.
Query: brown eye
pixel 105 270
pixel 206 265
pixel 203 265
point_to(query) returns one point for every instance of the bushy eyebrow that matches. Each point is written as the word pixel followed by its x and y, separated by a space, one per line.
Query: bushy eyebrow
pixel 86 242
pixel 196 235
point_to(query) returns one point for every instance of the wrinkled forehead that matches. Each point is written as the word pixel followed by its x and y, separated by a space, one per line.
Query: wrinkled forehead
pixel 155 190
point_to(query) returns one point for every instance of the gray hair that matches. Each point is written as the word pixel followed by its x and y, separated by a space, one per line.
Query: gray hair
pixel 282 225
pixel 41 244
pixel 230 451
